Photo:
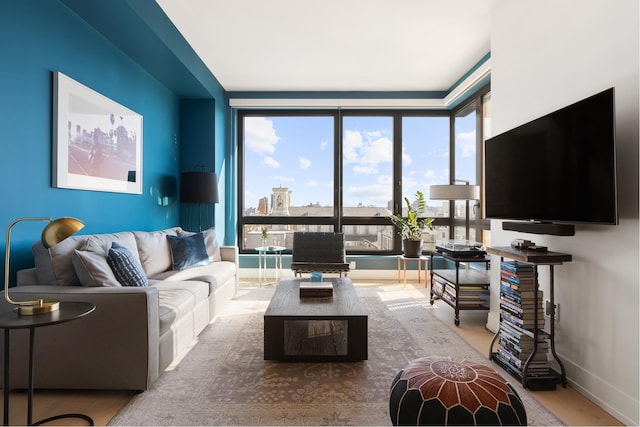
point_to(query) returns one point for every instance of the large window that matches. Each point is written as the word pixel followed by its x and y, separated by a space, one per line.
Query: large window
pixel 348 170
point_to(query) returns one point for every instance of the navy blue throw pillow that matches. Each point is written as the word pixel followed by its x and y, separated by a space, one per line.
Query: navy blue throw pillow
pixel 125 267
pixel 189 251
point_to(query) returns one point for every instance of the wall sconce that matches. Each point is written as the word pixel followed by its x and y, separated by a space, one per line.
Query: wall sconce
pixel 456 192
pixel 55 232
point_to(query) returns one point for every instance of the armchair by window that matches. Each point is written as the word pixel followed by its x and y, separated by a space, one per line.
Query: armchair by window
pixel 318 251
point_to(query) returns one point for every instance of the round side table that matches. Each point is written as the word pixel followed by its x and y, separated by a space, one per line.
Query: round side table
pixel 263 251
pixel 10 320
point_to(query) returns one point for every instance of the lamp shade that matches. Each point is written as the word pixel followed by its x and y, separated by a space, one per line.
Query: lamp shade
pixel 198 187
pixel 59 229
pixel 454 192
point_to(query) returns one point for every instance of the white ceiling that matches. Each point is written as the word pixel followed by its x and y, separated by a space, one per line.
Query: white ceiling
pixel 335 45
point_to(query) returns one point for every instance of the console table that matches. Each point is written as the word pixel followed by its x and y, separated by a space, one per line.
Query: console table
pixel 462 289
pixel 533 380
pixel 10 320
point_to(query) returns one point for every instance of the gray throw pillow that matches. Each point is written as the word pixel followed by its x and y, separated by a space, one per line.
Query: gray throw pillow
pixel 188 251
pixel 125 267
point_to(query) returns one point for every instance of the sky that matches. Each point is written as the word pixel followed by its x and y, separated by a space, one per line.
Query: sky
pixel 297 153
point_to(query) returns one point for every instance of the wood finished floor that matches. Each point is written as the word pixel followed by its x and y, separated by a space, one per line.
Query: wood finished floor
pixel 566 403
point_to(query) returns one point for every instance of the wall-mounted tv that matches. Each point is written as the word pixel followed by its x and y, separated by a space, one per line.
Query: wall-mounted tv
pixel 559 168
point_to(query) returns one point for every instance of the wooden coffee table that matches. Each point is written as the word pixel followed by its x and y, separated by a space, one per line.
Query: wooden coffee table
pixel 315 329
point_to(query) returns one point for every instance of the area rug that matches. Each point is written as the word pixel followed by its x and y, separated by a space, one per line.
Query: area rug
pixel 224 380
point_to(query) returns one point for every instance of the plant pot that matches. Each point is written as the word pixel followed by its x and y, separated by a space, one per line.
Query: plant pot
pixel 412 248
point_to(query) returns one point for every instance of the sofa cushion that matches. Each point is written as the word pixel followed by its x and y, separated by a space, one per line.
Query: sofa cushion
pixel 188 251
pixel 125 267
pixel 177 299
pixel 153 249
pixel 54 266
pixel 93 269
pixel 210 241
pixel 214 274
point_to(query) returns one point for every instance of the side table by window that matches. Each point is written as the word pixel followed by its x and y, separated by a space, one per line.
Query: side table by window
pixel 403 260
pixel 263 254
pixel 10 320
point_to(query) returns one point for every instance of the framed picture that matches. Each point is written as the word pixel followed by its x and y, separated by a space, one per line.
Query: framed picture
pixel 97 143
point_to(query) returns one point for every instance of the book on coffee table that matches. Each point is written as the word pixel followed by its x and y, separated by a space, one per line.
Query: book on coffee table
pixel 316 289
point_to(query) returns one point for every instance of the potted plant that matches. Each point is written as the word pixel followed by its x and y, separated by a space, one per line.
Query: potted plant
pixel 265 236
pixel 411 227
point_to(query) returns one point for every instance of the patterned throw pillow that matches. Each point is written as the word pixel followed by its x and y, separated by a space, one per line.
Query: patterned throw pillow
pixel 188 251
pixel 125 267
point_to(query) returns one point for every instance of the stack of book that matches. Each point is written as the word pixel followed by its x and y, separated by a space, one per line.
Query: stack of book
pixel 316 289
pixel 469 296
pixel 519 305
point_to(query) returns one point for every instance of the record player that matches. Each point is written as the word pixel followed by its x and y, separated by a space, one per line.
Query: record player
pixel 460 248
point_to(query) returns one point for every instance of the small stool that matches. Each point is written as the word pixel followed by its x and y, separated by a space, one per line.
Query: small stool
pixel 442 391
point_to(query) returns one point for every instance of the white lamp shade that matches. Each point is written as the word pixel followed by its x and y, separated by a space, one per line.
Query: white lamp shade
pixel 454 192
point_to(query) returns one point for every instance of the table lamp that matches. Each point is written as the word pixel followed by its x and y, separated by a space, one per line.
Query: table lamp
pixel 55 232
pixel 456 192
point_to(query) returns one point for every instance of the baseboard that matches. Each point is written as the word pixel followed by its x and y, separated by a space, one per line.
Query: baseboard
pixel 584 382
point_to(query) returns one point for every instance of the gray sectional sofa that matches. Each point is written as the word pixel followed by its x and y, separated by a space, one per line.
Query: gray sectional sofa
pixel 135 332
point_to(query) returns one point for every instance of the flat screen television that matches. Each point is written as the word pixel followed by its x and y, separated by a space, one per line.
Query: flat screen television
pixel 559 168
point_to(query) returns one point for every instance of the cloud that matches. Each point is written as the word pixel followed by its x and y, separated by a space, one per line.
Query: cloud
pixel 430 174
pixel 352 143
pixel 312 183
pixel 259 135
pixel 270 162
pixel 364 169
pixel 466 141
pixel 366 151
pixel 324 144
pixel 304 163
pixel 378 193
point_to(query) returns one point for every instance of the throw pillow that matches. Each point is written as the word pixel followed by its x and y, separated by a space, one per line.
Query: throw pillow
pixel 210 241
pixel 125 267
pixel 188 251
pixel 93 269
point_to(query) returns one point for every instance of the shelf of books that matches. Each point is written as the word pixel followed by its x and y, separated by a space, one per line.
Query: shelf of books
pixel 523 346
pixel 462 289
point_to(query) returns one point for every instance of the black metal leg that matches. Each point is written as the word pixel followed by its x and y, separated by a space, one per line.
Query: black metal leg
pixel 563 375
pixel 6 377
pixel 30 422
pixel 32 332
pixel 87 418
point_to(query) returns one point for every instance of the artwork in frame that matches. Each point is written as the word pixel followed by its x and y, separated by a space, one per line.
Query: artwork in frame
pixel 97 143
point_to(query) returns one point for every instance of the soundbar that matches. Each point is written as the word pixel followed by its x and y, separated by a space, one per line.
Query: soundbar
pixel 540 228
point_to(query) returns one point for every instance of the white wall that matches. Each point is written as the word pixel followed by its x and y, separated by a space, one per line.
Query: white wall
pixel 546 54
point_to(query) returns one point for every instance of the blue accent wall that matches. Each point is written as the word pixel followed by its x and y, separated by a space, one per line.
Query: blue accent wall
pixel 130 52
pixel 38 37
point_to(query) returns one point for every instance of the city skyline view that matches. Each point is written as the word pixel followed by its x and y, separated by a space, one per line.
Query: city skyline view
pixel 296 152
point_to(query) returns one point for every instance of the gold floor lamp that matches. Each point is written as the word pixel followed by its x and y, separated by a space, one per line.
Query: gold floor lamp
pixel 55 232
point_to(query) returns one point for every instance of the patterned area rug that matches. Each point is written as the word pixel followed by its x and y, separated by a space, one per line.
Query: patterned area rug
pixel 224 380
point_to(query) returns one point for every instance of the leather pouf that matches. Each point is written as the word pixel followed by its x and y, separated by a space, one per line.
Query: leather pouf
pixel 442 391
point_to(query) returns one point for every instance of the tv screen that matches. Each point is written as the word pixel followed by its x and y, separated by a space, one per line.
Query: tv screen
pixel 558 168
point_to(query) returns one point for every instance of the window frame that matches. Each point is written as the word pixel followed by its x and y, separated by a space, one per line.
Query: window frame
pixel 338 220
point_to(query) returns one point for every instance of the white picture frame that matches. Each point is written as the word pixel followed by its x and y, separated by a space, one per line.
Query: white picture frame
pixel 97 143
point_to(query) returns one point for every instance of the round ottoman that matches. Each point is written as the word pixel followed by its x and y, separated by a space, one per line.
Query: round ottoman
pixel 442 391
